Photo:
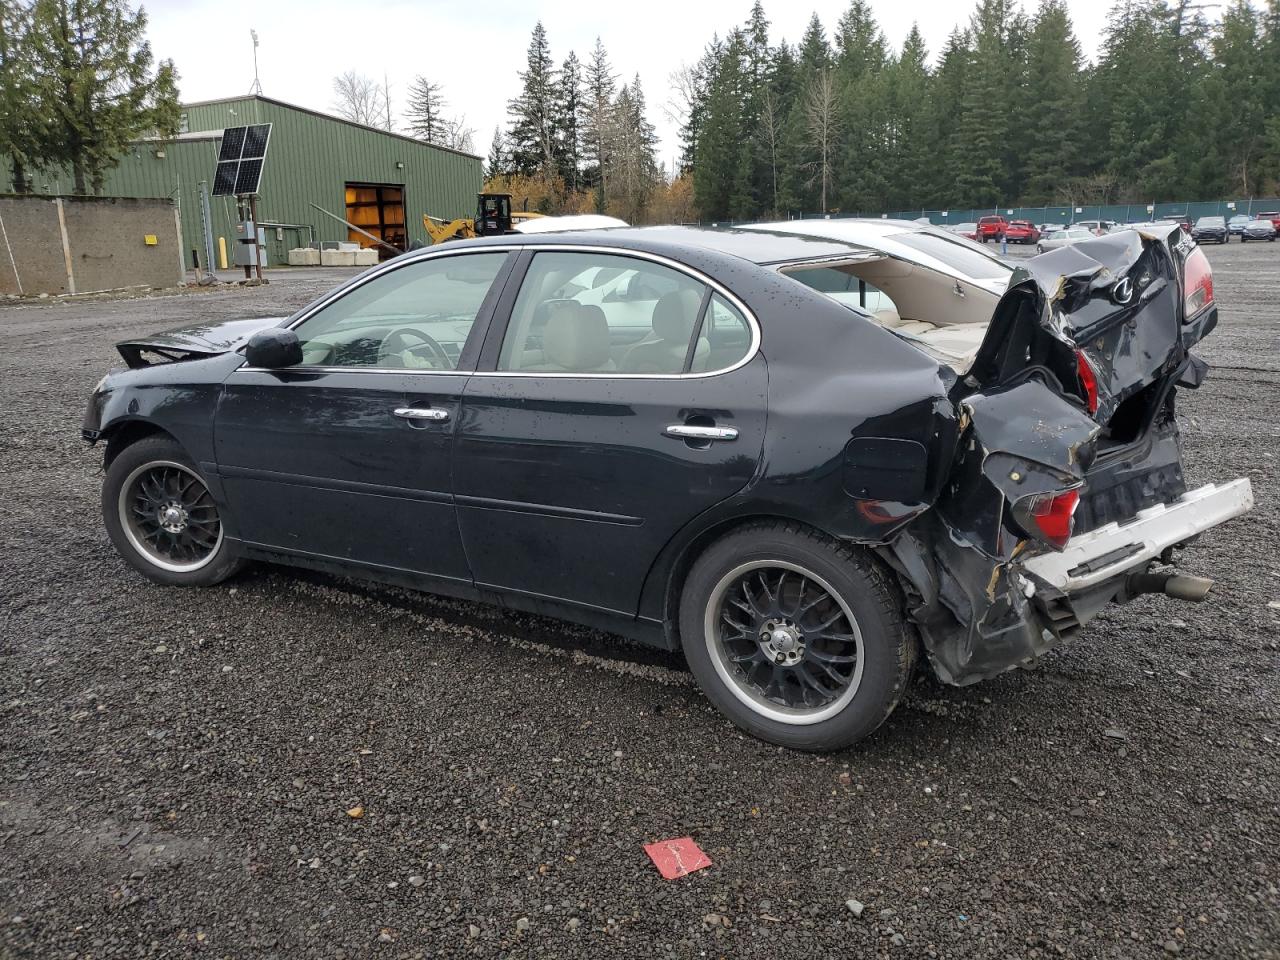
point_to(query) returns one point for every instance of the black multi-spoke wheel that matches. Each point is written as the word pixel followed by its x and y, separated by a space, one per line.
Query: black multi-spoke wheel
pixel 162 517
pixel 786 641
pixel 799 639
pixel 167 513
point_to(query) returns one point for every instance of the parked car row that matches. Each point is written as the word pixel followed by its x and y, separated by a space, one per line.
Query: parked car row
pixel 1047 236
pixel 1219 229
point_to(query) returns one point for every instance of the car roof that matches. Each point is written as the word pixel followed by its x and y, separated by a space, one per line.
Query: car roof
pixel 760 243
pixel 753 245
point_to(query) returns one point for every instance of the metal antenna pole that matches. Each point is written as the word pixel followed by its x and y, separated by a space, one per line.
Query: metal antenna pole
pixel 257 86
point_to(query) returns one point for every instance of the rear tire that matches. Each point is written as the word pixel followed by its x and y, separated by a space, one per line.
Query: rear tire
pixel 161 517
pixel 797 638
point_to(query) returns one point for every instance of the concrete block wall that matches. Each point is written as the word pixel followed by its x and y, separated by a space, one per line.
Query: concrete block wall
pixel 69 245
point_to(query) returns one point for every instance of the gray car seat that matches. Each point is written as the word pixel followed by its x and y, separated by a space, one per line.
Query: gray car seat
pixel 575 340
pixel 665 348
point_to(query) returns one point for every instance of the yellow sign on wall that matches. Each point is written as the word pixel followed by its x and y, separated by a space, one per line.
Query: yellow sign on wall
pixel 150 240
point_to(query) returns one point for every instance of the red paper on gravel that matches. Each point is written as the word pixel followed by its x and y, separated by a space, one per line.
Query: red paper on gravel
pixel 675 858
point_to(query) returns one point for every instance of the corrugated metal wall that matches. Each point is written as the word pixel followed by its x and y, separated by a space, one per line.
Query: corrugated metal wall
pixel 310 160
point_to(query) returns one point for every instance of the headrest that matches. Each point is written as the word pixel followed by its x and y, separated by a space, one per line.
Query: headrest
pixel 675 314
pixel 888 317
pixel 576 337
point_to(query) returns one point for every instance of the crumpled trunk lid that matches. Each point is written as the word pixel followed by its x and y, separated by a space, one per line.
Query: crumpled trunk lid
pixel 1117 299
pixel 1110 309
pixel 1032 429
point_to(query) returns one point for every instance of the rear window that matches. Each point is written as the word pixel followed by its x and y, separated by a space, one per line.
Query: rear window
pixel 955 253
pixel 990 220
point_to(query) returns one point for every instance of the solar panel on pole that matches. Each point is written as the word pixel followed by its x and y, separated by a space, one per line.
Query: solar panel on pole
pixel 240 160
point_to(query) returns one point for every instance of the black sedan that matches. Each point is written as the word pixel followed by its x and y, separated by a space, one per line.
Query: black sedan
pixel 806 454
pixel 1258 230
pixel 1213 229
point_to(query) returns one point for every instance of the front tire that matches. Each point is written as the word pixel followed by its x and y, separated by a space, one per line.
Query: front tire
pixel 161 517
pixel 797 638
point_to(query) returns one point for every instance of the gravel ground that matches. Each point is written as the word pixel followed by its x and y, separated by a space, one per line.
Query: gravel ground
pixel 180 766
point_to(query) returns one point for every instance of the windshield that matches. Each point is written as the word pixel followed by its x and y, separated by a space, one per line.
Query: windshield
pixel 1210 222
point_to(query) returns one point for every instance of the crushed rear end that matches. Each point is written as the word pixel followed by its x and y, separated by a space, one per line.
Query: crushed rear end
pixel 1067 492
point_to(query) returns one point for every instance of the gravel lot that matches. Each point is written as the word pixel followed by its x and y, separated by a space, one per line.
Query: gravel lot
pixel 178 766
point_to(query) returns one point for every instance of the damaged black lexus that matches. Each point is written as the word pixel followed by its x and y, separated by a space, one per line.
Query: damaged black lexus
pixel 810 455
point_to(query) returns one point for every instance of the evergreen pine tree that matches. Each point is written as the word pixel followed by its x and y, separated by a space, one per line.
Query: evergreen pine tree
pixel 1054 97
pixel 534 138
pixel 600 84
pixel 94 81
pixel 425 111
pixel 570 121
pixel 20 120
pixel 497 163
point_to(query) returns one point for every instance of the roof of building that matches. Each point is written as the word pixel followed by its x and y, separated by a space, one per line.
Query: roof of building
pixel 322 116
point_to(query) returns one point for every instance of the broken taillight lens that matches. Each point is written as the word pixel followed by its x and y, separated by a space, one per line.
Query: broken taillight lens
pixel 1198 282
pixel 1088 381
pixel 1048 516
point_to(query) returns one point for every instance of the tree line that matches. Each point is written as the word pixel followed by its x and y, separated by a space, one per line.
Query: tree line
pixel 577 141
pixel 78 84
pixel 1176 106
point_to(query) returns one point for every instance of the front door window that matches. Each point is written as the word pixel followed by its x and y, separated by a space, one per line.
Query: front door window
pixel 417 317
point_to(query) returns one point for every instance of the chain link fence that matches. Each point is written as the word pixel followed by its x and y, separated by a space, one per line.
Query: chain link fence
pixel 1120 212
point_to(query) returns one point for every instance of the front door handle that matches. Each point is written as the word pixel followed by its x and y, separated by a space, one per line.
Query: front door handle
pixel 689 431
pixel 431 414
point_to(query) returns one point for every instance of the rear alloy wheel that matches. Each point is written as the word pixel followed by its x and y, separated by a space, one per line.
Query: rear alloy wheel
pixel 797 638
pixel 161 517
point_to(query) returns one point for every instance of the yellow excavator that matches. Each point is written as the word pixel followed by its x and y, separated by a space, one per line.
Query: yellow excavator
pixel 494 217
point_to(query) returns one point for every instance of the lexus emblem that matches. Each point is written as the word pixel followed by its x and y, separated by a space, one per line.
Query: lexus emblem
pixel 1122 292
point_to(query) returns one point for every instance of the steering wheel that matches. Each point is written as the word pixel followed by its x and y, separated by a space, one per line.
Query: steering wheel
pixel 397 341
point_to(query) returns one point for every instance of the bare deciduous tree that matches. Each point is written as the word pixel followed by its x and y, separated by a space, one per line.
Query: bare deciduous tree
pixel 821 121
pixel 456 135
pixel 359 99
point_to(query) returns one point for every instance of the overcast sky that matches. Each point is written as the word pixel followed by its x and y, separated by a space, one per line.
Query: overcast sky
pixel 473 49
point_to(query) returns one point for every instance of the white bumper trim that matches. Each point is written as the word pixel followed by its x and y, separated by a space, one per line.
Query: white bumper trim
pixel 1101 554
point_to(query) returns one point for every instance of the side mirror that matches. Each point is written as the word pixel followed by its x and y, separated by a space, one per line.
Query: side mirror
pixel 273 348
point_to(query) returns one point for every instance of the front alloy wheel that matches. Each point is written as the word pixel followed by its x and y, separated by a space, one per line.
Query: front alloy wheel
pixel 169 517
pixel 162 518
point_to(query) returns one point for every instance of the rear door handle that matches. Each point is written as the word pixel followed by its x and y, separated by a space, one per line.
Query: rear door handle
pixel 688 431
pixel 431 414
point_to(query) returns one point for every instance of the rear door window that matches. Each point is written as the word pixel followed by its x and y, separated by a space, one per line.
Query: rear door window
pixel 597 313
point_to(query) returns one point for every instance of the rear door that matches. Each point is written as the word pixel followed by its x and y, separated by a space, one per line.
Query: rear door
pixel 348 455
pixel 587 438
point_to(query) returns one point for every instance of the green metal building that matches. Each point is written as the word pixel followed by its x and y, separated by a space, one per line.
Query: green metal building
pixel 382 181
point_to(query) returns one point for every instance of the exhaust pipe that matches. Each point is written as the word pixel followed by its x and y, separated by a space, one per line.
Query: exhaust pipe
pixel 1180 586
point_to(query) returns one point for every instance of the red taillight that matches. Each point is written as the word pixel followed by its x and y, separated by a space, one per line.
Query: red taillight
pixel 1198 282
pixel 1088 381
pixel 1049 516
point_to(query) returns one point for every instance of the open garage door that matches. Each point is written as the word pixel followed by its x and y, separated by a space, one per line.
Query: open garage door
pixel 377 208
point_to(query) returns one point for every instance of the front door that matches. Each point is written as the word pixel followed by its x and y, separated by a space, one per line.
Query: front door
pixel 348 456
pixel 592 436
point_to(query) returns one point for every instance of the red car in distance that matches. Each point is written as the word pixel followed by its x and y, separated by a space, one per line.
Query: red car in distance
pixel 992 228
pixel 1022 231
pixel 1273 216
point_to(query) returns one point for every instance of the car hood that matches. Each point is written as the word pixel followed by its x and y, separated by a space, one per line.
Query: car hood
pixel 195 340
